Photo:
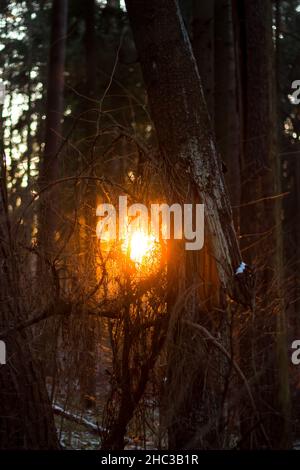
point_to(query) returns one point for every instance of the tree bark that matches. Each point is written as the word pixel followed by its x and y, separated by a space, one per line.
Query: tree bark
pixel 88 377
pixel 54 116
pixel 227 103
pixel 26 418
pixel 261 224
pixel 187 146
pixel 180 115
pixel 203 43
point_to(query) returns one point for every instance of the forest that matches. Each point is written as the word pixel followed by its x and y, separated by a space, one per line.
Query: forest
pixel 118 332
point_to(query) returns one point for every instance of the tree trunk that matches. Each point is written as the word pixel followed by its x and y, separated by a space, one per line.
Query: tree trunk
pixel 180 115
pixel 186 143
pixel 88 377
pixel 227 103
pixel 203 44
pixel 53 133
pixel 26 418
pixel 261 224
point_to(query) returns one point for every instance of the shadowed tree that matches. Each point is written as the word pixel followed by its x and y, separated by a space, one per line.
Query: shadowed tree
pixel 261 224
pixel 187 147
pixel 26 418
pixel 49 169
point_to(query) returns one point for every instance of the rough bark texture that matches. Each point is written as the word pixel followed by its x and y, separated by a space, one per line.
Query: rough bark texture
pixel 54 116
pixel 261 227
pixel 26 418
pixel 190 404
pixel 203 48
pixel 203 43
pixel 186 143
pixel 227 106
pixel 88 379
pixel 180 115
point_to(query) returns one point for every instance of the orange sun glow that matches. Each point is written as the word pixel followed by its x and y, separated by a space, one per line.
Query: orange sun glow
pixel 139 246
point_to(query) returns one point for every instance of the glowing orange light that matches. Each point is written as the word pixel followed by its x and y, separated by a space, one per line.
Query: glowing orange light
pixel 140 246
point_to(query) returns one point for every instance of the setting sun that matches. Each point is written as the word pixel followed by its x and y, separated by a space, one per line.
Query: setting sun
pixel 139 246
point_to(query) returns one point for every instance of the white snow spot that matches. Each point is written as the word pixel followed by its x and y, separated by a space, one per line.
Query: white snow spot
pixel 241 268
pixel 2 92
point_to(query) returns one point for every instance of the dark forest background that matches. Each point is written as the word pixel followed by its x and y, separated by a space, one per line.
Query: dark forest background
pixel 163 102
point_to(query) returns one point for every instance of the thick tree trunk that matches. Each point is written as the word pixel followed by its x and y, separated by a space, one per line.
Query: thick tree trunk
pixel 54 115
pixel 261 227
pixel 26 418
pixel 203 43
pixel 189 414
pixel 90 48
pixel 186 143
pixel 88 377
pixel 180 115
pixel 227 103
